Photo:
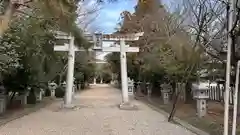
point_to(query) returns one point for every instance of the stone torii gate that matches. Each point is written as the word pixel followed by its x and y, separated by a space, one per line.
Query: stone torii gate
pixel 98 39
pixel 122 48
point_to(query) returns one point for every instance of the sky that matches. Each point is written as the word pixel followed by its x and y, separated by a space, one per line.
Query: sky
pixel 109 16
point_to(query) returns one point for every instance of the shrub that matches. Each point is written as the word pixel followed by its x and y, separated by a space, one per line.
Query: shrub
pixel 59 92
pixel 32 99
pixel 47 93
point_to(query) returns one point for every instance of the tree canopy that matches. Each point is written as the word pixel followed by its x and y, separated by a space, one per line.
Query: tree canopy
pixel 27 41
pixel 166 48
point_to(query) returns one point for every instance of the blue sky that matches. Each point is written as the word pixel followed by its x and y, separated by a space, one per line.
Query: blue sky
pixel 109 16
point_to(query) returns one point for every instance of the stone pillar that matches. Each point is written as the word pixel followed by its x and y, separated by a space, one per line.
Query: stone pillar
pixel 79 86
pixel 112 80
pixel 73 92
pixel 52 93
pixel 165 97
pixel 39 94
pixel 43 92
pixel 94 80
pixel 130 88
pixel 23 98
pixel 165 91
pixel 2 104
pixel 201 107
pixel 149 89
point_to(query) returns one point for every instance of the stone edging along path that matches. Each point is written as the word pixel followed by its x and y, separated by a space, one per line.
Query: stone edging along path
pixel 21 113
pixel 175 120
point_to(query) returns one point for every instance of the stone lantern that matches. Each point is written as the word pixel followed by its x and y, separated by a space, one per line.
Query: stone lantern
pixel 52 87
pixel 200 93
pixel 73 91
pixel 130 87
pixel 24 95
pixel 165 91
pixel 149 89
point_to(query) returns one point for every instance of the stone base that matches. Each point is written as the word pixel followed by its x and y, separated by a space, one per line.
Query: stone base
pixel 139 93
pixel 2 106
pixel 68 106
pixel 165 101
pixel 127 106
pixel 131 97
pixel 201 108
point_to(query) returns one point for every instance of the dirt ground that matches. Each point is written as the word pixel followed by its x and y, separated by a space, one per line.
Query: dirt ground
pixel 211 123
pixel 96 112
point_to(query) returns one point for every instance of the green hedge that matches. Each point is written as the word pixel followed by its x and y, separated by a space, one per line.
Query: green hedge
pixel 59 92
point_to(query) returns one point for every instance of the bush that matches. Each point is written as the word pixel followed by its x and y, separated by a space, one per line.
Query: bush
pixel 82 85
pixel 32 99
pixel 47 93
pixel 59 92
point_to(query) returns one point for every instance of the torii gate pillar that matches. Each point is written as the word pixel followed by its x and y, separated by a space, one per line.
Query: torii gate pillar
pixel 70 74
pixel 123 61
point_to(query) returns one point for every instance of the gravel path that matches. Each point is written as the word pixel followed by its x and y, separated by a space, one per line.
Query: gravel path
pixel 97 114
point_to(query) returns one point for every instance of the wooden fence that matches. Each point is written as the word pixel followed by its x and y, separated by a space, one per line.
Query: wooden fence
pixel 216 93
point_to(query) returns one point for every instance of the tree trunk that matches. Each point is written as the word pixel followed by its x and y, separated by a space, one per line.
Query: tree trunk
pixel 12 97
pixel 6 18
pixel 173 90
pixel 60 79
pixel 188 93
pixel 238 106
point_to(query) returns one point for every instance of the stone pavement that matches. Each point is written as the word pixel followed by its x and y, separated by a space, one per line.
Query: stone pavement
pixel 98 114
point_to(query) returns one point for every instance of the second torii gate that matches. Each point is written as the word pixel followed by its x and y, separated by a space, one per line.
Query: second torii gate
pixel 122 48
